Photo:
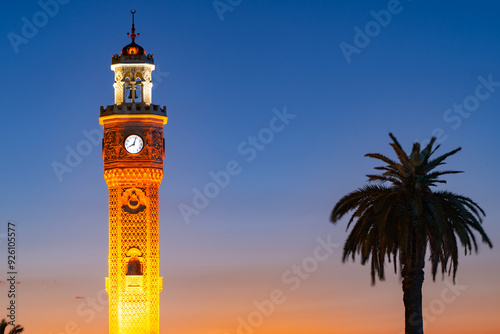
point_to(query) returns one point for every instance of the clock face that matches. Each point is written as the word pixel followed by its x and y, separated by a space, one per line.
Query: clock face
pixel 134 144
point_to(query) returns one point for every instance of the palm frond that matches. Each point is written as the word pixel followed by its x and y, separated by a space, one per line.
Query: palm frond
pixel 397 215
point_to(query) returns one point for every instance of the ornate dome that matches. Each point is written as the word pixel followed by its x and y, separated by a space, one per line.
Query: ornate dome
pixel 133 49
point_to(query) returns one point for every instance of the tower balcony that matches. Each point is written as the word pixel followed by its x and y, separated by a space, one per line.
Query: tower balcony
pixel 133 109
pixel 133 59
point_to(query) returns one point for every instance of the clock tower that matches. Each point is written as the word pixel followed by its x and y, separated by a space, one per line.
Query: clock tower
pixel 133 151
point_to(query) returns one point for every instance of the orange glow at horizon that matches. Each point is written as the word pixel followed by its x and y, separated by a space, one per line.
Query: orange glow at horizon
pixel 336 298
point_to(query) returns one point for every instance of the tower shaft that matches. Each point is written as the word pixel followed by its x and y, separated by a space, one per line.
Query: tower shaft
pixel 133 180
pixel 133 297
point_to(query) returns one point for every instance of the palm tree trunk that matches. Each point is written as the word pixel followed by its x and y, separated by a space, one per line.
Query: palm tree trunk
pixel 413 279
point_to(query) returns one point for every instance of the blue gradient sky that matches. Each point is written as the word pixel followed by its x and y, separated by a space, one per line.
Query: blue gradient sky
pixel 221 81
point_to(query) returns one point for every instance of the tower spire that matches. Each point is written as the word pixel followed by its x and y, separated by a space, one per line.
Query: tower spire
pixel 133 35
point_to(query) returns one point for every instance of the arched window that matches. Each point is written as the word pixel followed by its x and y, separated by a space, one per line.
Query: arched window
pixel 134 266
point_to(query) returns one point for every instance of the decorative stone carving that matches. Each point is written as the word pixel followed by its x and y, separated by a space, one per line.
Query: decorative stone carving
pixel 109 146
pixel 133 200
pixel 157 146
pixel 119 98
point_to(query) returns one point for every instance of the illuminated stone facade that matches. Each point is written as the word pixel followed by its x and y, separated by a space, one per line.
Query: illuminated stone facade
pixel 133 153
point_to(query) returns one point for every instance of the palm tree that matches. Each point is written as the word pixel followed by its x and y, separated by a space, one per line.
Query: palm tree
pixel 3 325
pixel 398 215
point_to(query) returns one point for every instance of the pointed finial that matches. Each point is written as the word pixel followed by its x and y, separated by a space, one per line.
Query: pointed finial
pixel 133 35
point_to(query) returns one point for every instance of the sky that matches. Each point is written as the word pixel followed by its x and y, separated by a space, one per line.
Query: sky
pixel 314 85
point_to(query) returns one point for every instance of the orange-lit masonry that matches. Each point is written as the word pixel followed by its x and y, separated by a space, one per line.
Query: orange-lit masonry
pixel 133 153
pixel 133 284
pixel 133 181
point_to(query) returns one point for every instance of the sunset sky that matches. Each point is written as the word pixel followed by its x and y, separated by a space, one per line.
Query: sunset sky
pixel 330 78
